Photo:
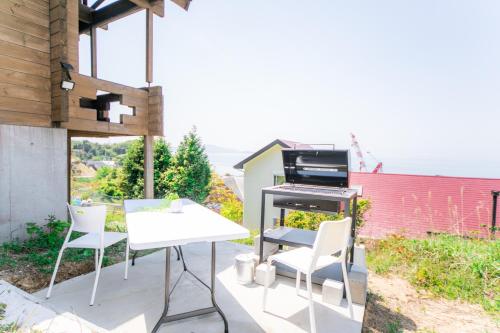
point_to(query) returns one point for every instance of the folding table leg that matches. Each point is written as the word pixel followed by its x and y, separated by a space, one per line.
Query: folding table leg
pixel 165 318
pixel 212 290
pixel 167 291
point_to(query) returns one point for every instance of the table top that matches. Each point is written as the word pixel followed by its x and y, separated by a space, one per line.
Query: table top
pixel 155 228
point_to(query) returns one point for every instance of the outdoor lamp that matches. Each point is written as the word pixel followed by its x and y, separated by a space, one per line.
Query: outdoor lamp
pixel 66 83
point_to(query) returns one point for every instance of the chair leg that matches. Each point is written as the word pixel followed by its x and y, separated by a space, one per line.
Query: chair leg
pixel 266 284
pixel 97 273
pixel 53 278
pixel 347 289
pixel 297 283
pixel 312 318
pixel 126 259
pixel 96 251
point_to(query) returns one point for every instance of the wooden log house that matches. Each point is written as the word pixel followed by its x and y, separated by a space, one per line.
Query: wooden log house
pixel 36 36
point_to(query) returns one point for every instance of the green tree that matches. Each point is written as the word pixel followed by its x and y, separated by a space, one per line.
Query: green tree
pixel 111 184
pixel 103 172
pixel 133 168
pixel 162 161
pixel 189 175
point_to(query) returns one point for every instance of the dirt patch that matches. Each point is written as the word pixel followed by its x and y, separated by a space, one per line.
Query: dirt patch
pixel 29 279
pixel 396 306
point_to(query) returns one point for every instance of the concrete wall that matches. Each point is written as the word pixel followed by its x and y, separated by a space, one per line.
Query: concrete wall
pixel 259 173
pixel 33 177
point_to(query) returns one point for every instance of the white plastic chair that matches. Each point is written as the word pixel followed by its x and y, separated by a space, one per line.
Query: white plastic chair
pixel 90 220
pixel 333 237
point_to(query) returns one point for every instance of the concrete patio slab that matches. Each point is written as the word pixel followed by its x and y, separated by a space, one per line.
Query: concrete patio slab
pixel 134 305
pixel 29 315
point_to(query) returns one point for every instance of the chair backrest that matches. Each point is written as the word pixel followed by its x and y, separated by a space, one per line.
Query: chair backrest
pixel 136 205
pixel 332 237
pixel 88 219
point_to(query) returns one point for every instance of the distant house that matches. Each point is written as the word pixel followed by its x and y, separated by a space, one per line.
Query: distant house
pixel 263 168
pixel 96 165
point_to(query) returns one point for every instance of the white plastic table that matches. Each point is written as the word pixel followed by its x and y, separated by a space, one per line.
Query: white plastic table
pixel 149 226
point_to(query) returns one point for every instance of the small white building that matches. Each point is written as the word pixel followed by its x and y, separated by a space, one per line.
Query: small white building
pixel 261 169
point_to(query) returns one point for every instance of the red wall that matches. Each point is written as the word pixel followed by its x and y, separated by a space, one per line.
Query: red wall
pixel 413 205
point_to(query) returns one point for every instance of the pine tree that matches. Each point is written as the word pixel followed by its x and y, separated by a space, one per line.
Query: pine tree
pixel 162 161
pixel 133 171
pixel 133 168
pixel 189 175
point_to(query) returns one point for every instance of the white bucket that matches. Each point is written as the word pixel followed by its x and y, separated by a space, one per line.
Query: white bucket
pixel 245 268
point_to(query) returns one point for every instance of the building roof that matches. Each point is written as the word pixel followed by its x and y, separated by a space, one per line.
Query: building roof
pixel 414 205
pixel 283 143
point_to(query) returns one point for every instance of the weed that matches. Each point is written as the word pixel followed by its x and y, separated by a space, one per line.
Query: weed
pixel 394 327
pixel 9 328
pixel 3 306
pixel 42 247
pixel 448 266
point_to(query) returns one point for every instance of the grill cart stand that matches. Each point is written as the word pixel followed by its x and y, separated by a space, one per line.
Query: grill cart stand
pixel 299 237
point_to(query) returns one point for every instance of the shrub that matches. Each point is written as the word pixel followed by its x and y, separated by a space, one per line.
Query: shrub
pixel 308 220
pixel 311 221
pixel 219 192
pixel 232 210
pixel 42 247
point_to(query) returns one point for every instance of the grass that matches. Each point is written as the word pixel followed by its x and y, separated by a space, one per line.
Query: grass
pixel 448 266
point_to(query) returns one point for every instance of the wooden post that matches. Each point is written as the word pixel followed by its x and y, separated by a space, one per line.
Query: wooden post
pixel 93 51
pixel 148 167
pixel 149 45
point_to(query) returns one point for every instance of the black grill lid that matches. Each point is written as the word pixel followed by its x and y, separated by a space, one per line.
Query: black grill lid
pixel 316 167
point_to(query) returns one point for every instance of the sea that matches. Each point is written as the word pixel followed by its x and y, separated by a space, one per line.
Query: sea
pixel 223 162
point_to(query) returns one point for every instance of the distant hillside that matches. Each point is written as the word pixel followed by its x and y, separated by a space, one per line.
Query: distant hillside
pixel 87 150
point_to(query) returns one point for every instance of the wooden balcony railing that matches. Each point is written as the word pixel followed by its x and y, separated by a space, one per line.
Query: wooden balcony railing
pixel 84 111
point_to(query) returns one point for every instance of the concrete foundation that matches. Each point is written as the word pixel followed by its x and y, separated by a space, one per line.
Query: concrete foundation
pixel 33 177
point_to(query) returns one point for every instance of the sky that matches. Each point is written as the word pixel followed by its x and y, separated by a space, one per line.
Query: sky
pixel 418 82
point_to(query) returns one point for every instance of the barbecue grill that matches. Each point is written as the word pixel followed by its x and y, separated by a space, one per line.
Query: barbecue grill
pixel 317 181
pixel 315 172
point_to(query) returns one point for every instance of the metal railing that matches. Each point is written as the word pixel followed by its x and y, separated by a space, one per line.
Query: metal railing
pixel 495 195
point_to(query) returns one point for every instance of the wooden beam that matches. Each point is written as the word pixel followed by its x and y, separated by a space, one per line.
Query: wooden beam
pixel 182 3
pixel 97 4
pixel 148 167
pixel 84 13
pixel 149 46
pixel 155 5
pixel 109 13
